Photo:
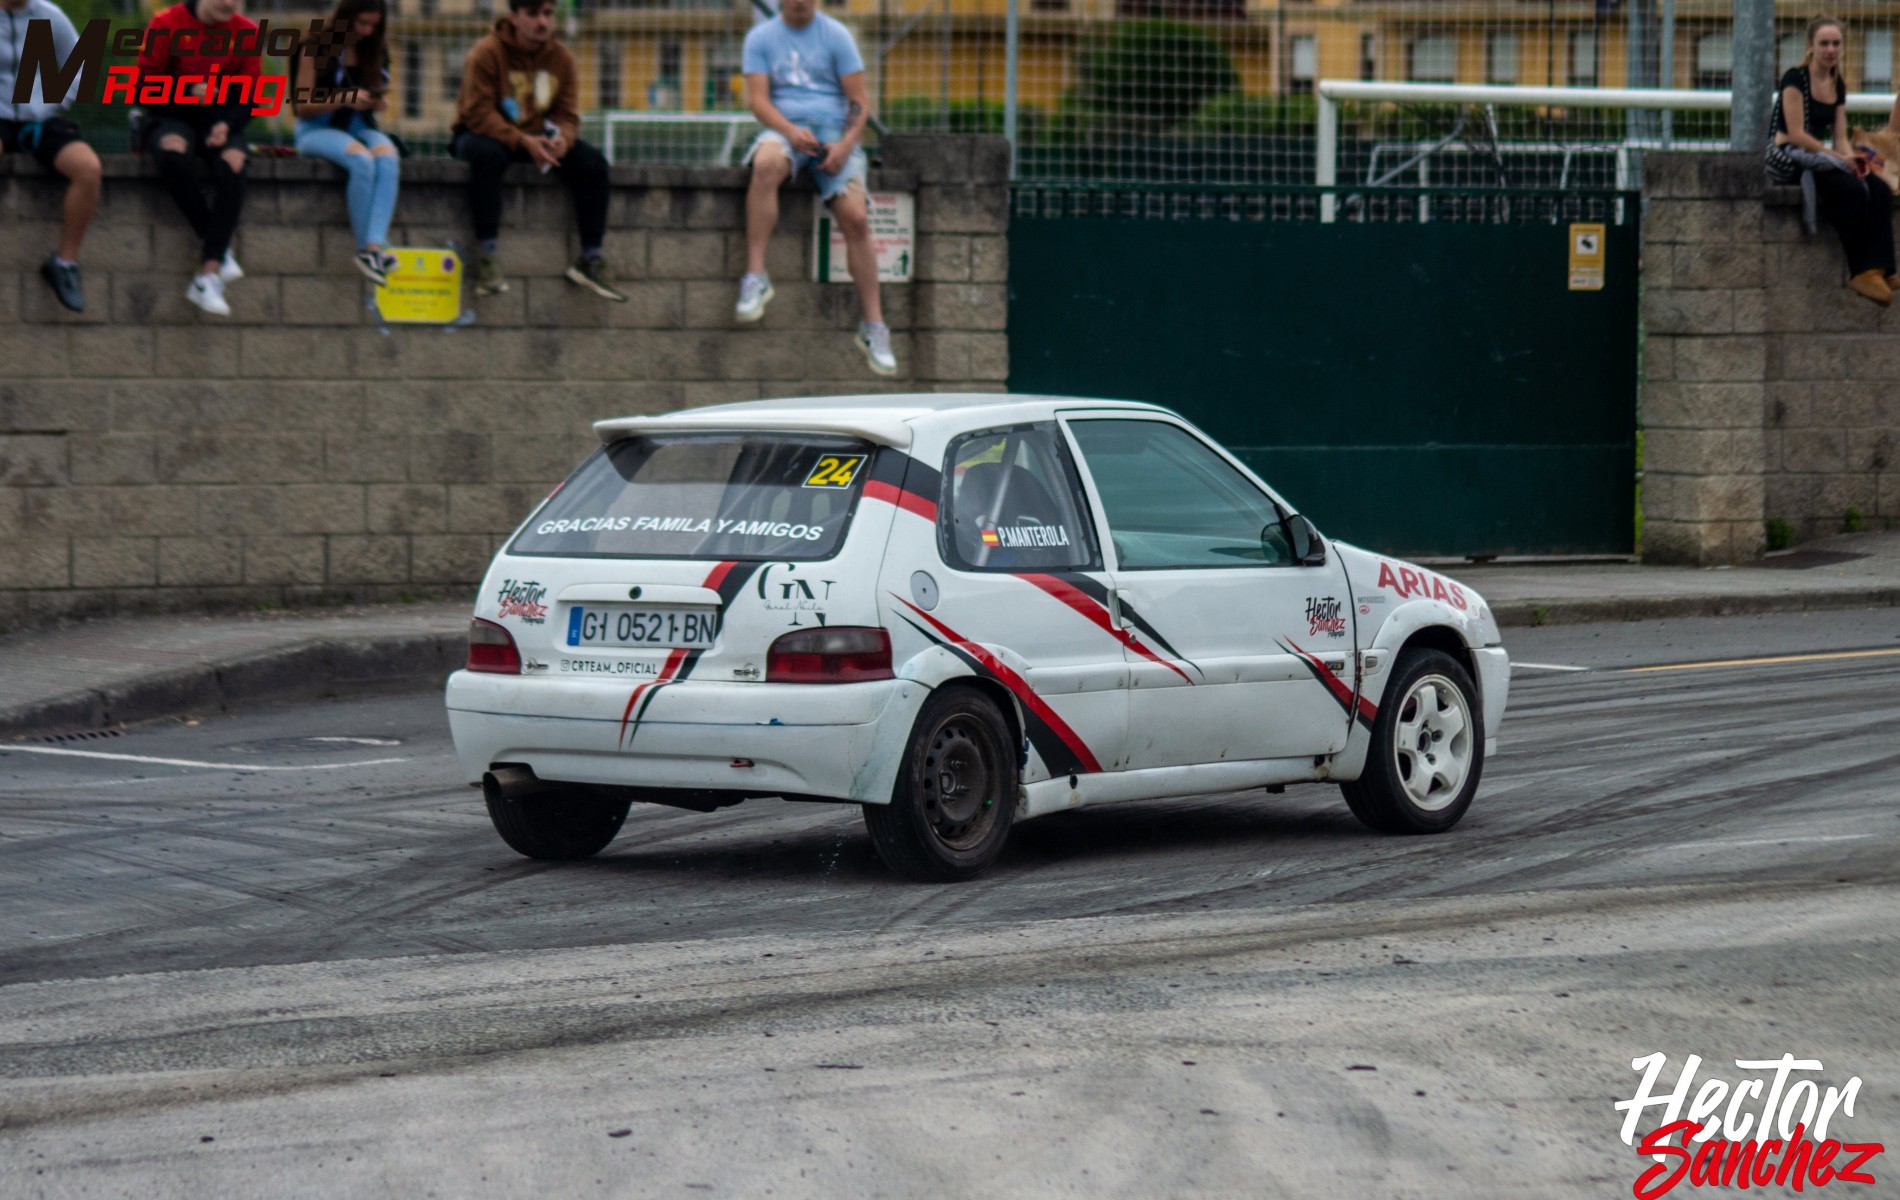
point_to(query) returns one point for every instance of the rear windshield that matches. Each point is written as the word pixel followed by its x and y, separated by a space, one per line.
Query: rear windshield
pixel 712 496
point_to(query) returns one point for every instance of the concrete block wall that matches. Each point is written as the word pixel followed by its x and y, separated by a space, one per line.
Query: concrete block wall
pixel 154 458
pixel 1771 391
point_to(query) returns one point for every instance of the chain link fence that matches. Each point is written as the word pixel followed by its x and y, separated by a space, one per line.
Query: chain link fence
pixel 1145 91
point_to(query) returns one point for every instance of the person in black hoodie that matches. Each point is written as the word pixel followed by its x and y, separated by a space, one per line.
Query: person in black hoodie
pixel 212 132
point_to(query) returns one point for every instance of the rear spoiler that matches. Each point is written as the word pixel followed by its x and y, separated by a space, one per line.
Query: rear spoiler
pixel 883 430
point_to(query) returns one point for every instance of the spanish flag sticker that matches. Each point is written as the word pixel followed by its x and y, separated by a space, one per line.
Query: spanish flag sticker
pixel 989 537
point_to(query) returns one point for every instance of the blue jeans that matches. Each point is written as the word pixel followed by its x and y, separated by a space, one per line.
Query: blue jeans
pixel 373 180
pixel 830 187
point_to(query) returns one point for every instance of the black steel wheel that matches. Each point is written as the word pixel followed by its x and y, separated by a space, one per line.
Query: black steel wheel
pixel 955 797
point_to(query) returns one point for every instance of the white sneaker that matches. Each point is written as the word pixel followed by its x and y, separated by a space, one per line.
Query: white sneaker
pixel 875 341
pixel 228 270
pixel 207 292
pixel 755 292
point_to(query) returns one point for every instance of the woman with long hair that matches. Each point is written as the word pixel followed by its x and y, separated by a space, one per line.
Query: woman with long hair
pixel 1810 134
pixel 344 86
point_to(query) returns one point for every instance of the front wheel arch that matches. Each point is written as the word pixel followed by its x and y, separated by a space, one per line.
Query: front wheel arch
pixel 1442 638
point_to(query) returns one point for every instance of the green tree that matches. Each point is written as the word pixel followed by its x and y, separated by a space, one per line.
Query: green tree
pixel 1151 75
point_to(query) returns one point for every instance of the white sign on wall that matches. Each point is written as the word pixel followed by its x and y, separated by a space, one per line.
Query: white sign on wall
pixel 893 233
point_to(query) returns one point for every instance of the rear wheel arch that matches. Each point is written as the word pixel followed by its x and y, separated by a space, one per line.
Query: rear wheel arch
pixel 997 694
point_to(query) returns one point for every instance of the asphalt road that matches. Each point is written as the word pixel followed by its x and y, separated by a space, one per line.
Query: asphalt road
pixel 322 974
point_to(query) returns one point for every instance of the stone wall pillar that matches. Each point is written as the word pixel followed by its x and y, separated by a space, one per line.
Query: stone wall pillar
pixel 1704 358
pixel 1772 393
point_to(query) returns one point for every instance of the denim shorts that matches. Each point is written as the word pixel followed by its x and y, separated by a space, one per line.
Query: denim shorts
pixel 830 187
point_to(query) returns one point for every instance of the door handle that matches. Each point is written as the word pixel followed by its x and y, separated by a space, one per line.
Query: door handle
pixel 1115 608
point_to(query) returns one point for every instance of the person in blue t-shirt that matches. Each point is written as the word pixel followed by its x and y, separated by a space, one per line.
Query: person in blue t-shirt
pixel 805 83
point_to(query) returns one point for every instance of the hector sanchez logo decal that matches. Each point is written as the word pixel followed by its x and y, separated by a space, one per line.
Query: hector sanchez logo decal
pixel 523 598
pixel 1770 1128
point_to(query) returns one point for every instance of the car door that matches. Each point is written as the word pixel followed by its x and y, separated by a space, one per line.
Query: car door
pixel 1236 650
pixel 1024 584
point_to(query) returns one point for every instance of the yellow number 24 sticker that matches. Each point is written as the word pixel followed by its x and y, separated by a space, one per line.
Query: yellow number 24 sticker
pixel 835 471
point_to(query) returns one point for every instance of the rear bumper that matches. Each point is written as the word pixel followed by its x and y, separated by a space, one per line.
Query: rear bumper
pixel 841 741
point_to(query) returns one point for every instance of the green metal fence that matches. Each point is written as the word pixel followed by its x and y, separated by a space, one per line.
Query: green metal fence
pixel 1420 376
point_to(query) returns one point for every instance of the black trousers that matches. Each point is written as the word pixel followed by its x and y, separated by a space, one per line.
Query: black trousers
pixel 1861 211
pixel 583 169
pixel 214 223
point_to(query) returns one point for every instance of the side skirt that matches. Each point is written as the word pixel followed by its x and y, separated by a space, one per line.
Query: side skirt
pixel 1155 783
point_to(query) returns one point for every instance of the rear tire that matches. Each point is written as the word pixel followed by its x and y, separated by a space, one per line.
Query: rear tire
pixel 955 797
pixel 556 824
pixel 1427 750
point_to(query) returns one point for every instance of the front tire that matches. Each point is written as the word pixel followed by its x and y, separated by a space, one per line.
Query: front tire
pixel 558 824
pixel 1427 750
pixel 955 797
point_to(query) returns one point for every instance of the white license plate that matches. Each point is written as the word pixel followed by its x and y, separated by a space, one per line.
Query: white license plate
pixel 641 625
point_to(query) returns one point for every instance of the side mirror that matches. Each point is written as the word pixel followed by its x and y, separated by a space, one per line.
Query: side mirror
pixel 1309 549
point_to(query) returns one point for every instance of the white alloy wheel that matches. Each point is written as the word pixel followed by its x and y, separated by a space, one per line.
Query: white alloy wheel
pixel 1427 754
pixel 1432 748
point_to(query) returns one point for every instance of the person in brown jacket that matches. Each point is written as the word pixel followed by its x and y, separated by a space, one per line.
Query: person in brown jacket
pixel 518 104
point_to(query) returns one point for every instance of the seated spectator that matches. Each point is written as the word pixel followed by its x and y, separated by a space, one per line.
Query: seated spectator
pixel 519 103
pixel 805 84
pixel 1855 201
pixel 36 127
pixel 182 134
pixel 344 131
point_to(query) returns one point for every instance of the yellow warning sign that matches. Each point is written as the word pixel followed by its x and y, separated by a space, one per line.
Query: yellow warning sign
pixel 1586 258
pixel 424 289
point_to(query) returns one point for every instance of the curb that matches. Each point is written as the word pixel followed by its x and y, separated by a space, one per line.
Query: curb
pixel 1522 614
pixel 317 668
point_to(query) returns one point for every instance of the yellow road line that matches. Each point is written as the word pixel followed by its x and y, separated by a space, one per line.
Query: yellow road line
pixel 1762 662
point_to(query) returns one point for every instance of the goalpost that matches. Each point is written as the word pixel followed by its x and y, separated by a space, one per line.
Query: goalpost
pixel 1621 138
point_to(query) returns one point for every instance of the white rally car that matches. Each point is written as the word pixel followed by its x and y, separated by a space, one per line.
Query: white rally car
pixel 958 611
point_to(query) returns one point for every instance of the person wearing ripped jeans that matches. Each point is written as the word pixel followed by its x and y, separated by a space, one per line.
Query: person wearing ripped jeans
pixel 38 126
pixel 353 82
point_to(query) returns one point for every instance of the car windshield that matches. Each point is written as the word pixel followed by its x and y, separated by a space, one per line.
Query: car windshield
pixel 712 496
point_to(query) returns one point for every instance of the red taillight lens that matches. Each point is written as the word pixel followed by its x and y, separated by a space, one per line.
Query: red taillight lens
pixel 492 648
pixel 842 654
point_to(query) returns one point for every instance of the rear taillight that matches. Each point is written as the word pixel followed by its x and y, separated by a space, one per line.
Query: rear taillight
pixel 492 648
pixel 842 654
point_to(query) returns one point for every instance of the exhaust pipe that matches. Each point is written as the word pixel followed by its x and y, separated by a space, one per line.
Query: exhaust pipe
pixel 512 782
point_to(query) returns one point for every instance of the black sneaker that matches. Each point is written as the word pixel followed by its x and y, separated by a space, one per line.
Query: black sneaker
pixel 489 281
pixel 592 274
pixel 64 281
pixel 370 263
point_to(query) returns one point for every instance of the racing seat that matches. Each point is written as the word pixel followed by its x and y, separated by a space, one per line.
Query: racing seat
pixel 989 495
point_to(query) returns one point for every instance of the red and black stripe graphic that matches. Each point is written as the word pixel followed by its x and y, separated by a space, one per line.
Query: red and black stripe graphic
pixel 1089 596
pixel 1062 749
pixel 1357 707
pixel 897 478
pixel 726 579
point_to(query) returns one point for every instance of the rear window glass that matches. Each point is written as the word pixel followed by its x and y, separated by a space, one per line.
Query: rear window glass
pixel 720 496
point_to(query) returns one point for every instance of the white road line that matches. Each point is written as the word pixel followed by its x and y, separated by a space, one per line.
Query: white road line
pixel 1545 667
pixel 192 762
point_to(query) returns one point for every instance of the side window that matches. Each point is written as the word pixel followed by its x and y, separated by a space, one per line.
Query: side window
pixel 1172 502
pixel 1011 503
